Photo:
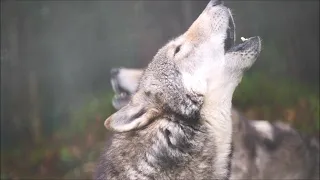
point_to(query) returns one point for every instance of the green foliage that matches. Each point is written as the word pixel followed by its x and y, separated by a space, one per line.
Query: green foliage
pixel 65 155
pixel 269 93
pixel 96 107
pixel 316 109
pixel 37 155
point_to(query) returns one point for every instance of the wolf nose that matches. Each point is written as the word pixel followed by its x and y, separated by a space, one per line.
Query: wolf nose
pixel 215 2
pixel 114 72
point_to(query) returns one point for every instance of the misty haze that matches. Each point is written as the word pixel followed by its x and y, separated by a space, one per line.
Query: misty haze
pixel 56 58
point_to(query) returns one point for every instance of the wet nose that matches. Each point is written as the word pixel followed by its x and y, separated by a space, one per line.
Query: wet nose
pixel 114 72
pixel 215 2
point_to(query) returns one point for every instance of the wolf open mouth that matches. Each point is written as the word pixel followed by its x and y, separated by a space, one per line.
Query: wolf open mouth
pixel 229 43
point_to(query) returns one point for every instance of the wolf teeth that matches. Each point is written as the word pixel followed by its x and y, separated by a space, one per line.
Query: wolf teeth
pixel 243 39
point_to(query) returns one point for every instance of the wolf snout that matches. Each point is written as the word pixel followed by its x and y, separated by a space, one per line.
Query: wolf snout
pixel 215 2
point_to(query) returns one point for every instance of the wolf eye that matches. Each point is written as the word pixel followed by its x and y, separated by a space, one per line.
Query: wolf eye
pixel 177 49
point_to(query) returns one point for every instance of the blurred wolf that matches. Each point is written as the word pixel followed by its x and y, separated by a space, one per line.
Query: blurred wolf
pixel 177 125
pixel 262 150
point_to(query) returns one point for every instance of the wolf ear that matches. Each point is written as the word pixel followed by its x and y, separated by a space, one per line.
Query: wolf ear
pixel 130 117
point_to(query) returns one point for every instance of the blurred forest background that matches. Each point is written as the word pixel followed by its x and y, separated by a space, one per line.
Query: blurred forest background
pixel 56 57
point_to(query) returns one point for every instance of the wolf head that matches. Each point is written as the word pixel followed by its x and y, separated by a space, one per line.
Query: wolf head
pixel 202 60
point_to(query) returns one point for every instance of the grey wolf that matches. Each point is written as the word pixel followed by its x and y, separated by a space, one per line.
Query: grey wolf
pixel 177 125
pixel 285 153
pixel 262 150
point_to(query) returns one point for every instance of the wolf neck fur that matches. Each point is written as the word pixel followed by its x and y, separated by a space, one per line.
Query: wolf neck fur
pixel 173 144
pixel 216 114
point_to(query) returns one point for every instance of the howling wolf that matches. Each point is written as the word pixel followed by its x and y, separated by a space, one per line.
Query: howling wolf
pixel 276 144
pixel 177 125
